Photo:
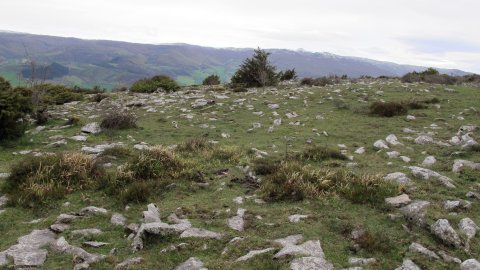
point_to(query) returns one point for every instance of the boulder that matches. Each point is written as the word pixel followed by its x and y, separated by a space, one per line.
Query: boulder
pixel 443 231
pixel 92 128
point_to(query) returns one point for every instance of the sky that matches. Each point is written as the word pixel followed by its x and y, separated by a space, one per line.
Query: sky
pixel 434 33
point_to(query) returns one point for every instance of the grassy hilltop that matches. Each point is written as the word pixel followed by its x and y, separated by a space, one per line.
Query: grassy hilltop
pixel 203 152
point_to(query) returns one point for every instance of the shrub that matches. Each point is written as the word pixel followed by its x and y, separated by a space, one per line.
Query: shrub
pixel 307 81
pixel 321 153
pixel 4 85
pixel 387 109
pixel 155 162
pixel 265 166
pixel 211 80
pixel 256 71
pixel 41 116
pixel 194 145
pixel 430 75
pixel 293 181
pixel 55 94
pixel 99 97
pixel 150 85
pixel 36 180
pixel 137 192
pixel 14 107
pixel 287 75
pixel 321 81
pixel 72 121
pixel 119 120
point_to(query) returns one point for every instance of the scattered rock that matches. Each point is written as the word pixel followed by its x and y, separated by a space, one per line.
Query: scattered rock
pixel 398 177
pixel 129 262
pixel 309 248
pixel 296 218
pixel 424 139
pixel 361 261
pixel 191 264
pixel 429 161
pixel 118 219
pixel 459 164
pixel 427 173
pixel 95 244
pixel 87 232
pixel 416 247
pixel 381 144
pixel 152 214
pixel 93 128
pixel 310 263
pixel 408 265
pixel 443 231
pixel 398 201
pixel 415 212
pixel 237 222
pixel 200 233
pixel 253 253
pixel 470 264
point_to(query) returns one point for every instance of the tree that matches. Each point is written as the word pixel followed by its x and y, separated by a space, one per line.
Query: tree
pixel 14 107
pixel 287 75
pixel 256 71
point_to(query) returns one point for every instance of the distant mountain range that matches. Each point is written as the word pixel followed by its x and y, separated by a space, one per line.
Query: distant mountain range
pixel 108 64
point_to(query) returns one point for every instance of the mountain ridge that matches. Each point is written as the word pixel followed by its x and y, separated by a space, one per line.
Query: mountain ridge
pixel 110 63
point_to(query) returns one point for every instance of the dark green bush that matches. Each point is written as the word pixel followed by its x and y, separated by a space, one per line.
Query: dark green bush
pixel 150 85
pixel 211 80
pixel 14 107
pixel 287 75
pixel 36 180
pixel 55 94
pixel 256 71
pixel 4 85
pixel 265 166
pixel 387 109
pixel 321 81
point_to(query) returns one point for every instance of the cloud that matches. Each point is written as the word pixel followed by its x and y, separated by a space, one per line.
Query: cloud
pixel 419 32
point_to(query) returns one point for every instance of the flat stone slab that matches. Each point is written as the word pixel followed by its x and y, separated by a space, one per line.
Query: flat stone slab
pixel 95 244
pixel 200 233
pixel 253 253
pixel 398 201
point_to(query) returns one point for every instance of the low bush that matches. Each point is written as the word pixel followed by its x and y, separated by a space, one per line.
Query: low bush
pixel 211 80
pixel 321 81
pixel 14 108
pixel 137 192
pixel 37 180
pixel 56 94
pixel 287 75
pixel 153 163
pixel 387 109
pixel 294 181
pixel 119 120
pixel 430 75
pixel 194 145
pixel 321 153
pixel 98 97
pixel 265 166
pixel 156 83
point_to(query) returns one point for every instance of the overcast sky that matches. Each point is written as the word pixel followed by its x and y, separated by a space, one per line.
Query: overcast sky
pixel 421 32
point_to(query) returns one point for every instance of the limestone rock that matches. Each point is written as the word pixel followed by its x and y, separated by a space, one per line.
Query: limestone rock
pixel 381 144
pixel 87 232
pixel 152 214
pixel 93 210
pixel 118 219
pixel 253 253
pixel 296 218
pixel 398 201
pixel 200 233
pixel 398 177
pixel 429 161
pixel 93 128
pixel 442 230
pixel 470 264
pixel 310 263
pixel 289 240
pixel 416 247
pixel 191 264
pixel 408 265
pixel 424 139
pixel 415 212
pixel 361 261
pixel 309 248
pixel 129 262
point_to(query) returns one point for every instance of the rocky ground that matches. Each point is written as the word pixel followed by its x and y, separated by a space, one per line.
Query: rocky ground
pixel 431 223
